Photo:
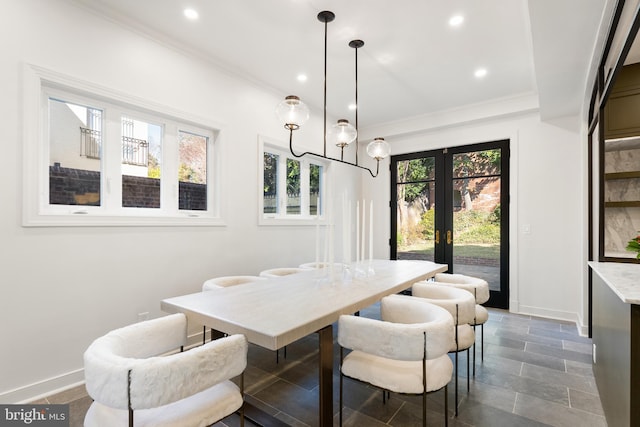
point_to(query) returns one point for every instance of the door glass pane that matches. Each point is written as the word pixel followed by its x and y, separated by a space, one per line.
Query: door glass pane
pixel 192 172
pixel 422 169
pixel 315 176
pixel 416 209
pixel 476 215
pixel 270 183
pixel 293 186
pixel 141 163
pixel 75 152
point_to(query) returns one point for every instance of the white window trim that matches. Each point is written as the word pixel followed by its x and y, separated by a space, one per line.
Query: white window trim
pixel 38 213
pixel 277 147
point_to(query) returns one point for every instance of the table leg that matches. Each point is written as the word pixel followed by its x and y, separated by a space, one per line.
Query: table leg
pixel 326 375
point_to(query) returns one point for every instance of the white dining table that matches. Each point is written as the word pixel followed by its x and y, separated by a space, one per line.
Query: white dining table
pixel 278 311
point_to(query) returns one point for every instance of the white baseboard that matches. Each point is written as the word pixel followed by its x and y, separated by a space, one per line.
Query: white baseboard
pixel 42 389
pixel 583 329
pixel 60 383
pixel 551 314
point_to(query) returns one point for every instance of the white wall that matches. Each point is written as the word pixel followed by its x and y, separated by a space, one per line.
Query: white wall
pixel 61 287
pixel 547 266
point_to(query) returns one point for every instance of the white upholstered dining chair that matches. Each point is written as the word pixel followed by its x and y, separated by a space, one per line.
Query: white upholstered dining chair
pixel 405 352
pixel 226 281
pixel 321 264
pixel 131 374
pixel 480 290
pixel 282 271
pixel 461 305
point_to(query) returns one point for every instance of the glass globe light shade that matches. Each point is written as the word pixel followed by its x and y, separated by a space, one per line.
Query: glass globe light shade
pixel 293 112
pixel 342 133
pixel 378 149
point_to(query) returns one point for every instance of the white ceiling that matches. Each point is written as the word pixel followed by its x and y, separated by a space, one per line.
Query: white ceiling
pixel 412 63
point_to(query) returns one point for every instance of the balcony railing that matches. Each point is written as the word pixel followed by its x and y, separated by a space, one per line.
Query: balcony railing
pixel 90 143
pixel 134 151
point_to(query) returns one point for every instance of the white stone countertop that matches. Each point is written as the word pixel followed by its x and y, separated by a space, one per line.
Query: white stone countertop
pixel 622 278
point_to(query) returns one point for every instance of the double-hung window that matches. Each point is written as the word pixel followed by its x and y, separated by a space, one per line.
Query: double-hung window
pixel 100 160
pixel 292 188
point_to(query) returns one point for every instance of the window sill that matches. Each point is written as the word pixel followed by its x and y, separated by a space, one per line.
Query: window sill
pixel 290 221
pixel 94 220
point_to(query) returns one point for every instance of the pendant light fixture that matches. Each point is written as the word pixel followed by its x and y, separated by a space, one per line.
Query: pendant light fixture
pixel 294 113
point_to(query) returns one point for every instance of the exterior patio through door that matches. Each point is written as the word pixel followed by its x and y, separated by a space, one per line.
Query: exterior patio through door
pixel 451 206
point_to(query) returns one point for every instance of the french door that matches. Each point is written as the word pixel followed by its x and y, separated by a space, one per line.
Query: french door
pixel 451 206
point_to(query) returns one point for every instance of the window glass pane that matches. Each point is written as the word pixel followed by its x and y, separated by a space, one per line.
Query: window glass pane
pixel 141 144
pixel 293 186
pixel 270 193
pixel 192 172
pixel 75 147
pixel 315 176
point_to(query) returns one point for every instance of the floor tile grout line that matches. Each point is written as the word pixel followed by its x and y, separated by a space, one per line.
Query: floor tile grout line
pixel 567 365
pixel 396 413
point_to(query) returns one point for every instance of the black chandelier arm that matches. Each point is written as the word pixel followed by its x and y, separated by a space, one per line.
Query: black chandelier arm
pixel 294 154
pixel 377 169
pixel 291 129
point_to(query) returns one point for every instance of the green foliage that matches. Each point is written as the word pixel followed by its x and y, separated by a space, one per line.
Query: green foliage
pixel 293 176
pixel 428 224
pixel 417 172
pixel 470 228
pixel 476 227
pixel 270 165
pixel 153 172
pixel 496 215
pixel 188 174
pixel 477 163
pixel 634 246
pixel 153 167
pixel 484 233
pixel 314 178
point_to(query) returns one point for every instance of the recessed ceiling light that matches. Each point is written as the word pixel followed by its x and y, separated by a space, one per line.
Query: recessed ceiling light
pixel 456 20
pixel 352 106
pixel 302 77
pixel 191 13
pixel 480 73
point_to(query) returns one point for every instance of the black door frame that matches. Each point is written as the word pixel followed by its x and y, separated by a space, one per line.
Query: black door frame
pixel 443 252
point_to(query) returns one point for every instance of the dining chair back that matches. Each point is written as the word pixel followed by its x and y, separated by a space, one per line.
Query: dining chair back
pixel 282 271
pixel 480 290
pixel 461 305
pixel 134 373
pixel 226 281
pixel 404 352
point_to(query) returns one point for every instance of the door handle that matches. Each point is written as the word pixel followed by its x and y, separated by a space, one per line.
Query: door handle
pixel 449 239
pixel 437 237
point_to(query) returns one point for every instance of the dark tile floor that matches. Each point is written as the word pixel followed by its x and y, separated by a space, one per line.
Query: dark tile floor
pixel 536 372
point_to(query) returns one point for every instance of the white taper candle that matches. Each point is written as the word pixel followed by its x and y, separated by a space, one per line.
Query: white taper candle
pixel 364 209
pixel 357 231
pixel 371 230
